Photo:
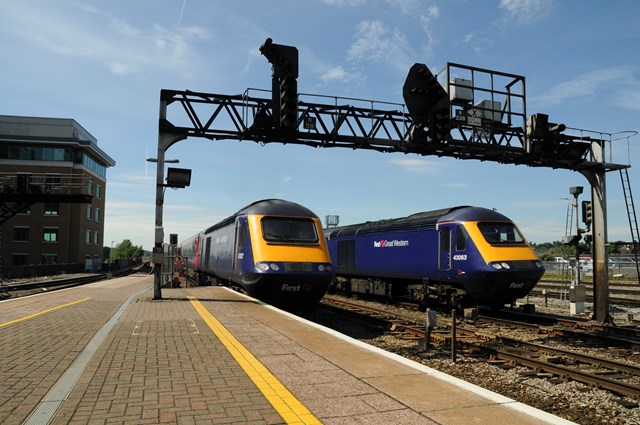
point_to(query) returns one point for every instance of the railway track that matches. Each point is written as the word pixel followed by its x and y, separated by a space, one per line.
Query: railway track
pixel 624 294
pixel 9 290
pixel 622 378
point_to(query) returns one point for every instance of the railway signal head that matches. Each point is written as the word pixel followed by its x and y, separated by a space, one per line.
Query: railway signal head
pixel 587 212
pixel 288 103
pixel 427 102
pixel 284 59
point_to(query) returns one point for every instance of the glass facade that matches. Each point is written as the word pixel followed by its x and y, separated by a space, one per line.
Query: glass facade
pixel 95 166
pixel 49 153
pixel 35 153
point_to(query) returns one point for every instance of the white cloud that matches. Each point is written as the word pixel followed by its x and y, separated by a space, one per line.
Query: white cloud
pixel 416 165
pixel 458 185
pixel 336 73
pixel 585 85
pixel 345 2
pixel 630 99
pixel 116 44
pixel 526 11
pixel 375 42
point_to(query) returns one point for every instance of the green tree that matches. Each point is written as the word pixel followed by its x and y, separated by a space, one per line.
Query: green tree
pixel 106 253
pixel 126 249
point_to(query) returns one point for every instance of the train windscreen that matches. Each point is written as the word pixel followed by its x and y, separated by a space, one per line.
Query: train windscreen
pixel 289 230
pixel 501 234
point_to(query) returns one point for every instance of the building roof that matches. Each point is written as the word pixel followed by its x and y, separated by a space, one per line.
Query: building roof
pixel 65 131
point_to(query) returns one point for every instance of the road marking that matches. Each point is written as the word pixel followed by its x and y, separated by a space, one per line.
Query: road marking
pixel 31 316
pixel 285 403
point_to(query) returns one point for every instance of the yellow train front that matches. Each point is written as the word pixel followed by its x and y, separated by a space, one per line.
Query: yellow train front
pixel 273 249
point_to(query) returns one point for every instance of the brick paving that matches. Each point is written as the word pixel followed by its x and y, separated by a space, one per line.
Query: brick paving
pixel 34 353
pixel 162 364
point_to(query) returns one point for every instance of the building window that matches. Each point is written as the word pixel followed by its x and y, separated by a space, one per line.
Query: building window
pixel 50 234
pixel 88 212
pixel 21 234
pixel 98 191
pixel 49 259
pixel 52 182
pixel 20 259
pixel 88 237
pixel 95 166
pixel 35 153
pixel 51 208
pixel 96 238
pixel 90 187
pixel 97 217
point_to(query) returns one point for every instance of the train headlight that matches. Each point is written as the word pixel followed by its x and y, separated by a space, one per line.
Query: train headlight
pixel 325 268
pixel 264 267
pixel 501 265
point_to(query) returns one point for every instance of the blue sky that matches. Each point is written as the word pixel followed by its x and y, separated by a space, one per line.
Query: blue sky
pixel 104 64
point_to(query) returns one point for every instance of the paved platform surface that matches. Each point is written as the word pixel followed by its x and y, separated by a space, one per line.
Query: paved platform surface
pixel 106 353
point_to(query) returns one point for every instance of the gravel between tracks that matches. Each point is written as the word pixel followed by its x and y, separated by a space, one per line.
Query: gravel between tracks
pixel 570 400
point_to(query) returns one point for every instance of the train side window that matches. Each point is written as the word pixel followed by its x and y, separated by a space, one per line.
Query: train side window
pixel 461 238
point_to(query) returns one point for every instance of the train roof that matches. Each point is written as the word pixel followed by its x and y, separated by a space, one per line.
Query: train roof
pixel 275 207
pixel 418 221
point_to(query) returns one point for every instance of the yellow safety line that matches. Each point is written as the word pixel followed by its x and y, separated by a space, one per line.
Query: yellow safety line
pixel 31 316
pixel 285 403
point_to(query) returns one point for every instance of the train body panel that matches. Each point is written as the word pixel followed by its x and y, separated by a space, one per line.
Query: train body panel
pixel 272 249
pixel 475 254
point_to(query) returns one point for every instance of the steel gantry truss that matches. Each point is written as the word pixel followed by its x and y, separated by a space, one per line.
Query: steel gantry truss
pixel 483 118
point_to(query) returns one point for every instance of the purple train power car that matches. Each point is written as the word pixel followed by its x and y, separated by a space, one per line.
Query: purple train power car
pixel 461 256
pixel 271 249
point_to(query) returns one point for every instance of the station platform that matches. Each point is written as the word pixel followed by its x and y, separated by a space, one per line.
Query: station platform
pixel 107 353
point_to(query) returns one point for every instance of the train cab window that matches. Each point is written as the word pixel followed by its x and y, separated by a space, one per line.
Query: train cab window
pixel 461 238
pixel 501 233
pixel 289 230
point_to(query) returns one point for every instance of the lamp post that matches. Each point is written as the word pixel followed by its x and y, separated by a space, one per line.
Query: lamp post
pixel 158 251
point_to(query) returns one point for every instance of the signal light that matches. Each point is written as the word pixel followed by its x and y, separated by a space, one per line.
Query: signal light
pixel 288 103
pixel 284 87
pixel 587 212
pixel 427 102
